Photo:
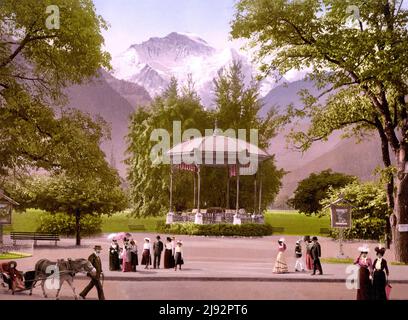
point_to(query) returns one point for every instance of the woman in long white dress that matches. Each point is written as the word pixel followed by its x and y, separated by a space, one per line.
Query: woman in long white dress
pixel 280 265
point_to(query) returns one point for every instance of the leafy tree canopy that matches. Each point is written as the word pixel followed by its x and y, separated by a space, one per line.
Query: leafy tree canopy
pixel 315 188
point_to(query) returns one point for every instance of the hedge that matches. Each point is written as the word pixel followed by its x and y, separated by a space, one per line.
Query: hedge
pixel 192 229
pixel 64 224
pixel 365 229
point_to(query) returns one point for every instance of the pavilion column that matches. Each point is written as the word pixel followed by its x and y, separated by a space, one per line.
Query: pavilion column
pixel 237 200
pixel 198 188
pixel 255 193
pixel 171 188
pixel 228 189
pixel 195 188
pixel 260 195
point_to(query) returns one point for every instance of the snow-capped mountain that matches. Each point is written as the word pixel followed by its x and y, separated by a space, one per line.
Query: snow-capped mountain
pixel 152 63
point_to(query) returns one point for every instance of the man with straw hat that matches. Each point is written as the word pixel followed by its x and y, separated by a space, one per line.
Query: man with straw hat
pixel 95 260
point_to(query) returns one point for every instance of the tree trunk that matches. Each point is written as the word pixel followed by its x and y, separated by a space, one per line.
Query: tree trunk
pixel 78 227
pixel 385 150
pixel 401 207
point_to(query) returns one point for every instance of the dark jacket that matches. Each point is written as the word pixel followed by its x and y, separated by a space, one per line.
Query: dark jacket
pixel 384 266
pixel 298 251
pixel 158 247
pixel 316 251
pixel 96 262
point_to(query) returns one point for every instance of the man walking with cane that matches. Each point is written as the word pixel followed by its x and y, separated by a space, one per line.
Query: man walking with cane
pixel 316 253
pixel 95 260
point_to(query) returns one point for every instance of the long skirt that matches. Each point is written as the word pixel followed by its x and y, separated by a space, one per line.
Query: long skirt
pixel 146 258
pixel 114 264
pixel 379 283
pixel 309 261
pixel 168 259
pixel 280 264
pixel 178 259
pixel 134 261
pixel 127 263
pixel 364 291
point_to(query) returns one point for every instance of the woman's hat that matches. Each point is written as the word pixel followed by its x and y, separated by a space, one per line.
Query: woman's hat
pixel 364 249
pixel 282 240
pixel 380 250
pixel 148 239
pixel 179 241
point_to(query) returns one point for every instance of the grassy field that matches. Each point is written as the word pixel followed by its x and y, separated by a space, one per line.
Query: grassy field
pixel 297 224
pixel 293 222
pixel 14 255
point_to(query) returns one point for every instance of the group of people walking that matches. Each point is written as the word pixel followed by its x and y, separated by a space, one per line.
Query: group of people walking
pixel 125 258
pixel 372 276
pixel 313 254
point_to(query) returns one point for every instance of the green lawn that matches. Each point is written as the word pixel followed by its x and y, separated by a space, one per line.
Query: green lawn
pixel 14 255
pixel 297 224
pixel 119 222
pixel 293 222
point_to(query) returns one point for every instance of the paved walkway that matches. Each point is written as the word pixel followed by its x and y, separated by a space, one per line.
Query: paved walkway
pixel 218 259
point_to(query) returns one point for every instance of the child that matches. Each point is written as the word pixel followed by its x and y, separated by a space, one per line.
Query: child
pixel 298 255
pixel 179 257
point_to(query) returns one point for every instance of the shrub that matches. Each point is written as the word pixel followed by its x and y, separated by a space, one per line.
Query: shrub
pixel 244 230
pixel 64 224
pixel 369 212
pixel 365 228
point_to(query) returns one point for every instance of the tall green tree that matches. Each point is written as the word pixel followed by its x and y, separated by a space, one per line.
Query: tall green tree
pixel 149 179
pixel 37 61
pixel 361 58
pixel 238 106
pixel 95 194
pixel 315 188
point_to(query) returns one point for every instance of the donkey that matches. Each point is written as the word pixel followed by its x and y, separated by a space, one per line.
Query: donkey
pixel 67 269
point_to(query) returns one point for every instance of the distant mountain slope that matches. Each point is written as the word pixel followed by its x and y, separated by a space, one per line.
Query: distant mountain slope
pixel 99 97
pixel 340 155
pixel 348 156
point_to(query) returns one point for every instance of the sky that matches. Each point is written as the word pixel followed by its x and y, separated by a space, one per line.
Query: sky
pixel 135 21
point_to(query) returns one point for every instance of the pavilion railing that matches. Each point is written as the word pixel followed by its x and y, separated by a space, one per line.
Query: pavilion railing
pixel 216 218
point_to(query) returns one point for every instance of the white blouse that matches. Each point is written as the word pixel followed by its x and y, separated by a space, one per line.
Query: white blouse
pixel 169 246
pixel 147 246
pixel 378 264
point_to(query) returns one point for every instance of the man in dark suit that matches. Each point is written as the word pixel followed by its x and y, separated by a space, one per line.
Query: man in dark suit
pixel 95 260
pixel 316 253
pixel 157 251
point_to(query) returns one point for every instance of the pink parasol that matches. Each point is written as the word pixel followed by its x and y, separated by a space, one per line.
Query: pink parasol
pixel 122 235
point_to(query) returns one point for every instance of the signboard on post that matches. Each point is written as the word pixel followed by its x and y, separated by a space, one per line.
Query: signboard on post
pixel 6 207
pixel 403 227
pixel 5 214
pixel 340 216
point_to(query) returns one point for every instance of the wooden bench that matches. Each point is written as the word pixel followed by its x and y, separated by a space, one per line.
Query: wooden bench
pixel 136 227
pixel 36 236
pixel 324 231
pixel 278 229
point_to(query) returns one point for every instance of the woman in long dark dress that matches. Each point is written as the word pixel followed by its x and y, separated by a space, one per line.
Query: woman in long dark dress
pixel 134 258
pixel 364 291
pixel 146 255
pixel 114 252
pixel 168 254
pixel 380 275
